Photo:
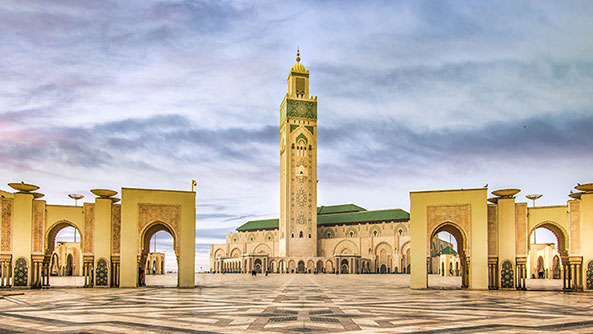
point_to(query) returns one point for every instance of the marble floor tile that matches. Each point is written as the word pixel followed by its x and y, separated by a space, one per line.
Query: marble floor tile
pixel 235 303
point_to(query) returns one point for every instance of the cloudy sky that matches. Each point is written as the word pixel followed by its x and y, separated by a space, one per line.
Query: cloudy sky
pixel 412 96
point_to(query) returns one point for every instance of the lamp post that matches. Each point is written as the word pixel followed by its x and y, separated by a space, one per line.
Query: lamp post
pixel 533 197
pixel 75 197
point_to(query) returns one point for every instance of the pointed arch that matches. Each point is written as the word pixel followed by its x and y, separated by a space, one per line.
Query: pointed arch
pixel 52 232
pixel 262 249
pixel 302 137
pixel 559 232
pixel 346 245
pixel 236 252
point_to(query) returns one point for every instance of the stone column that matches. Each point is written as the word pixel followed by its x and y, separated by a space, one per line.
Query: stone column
pixel 88 270
pixel 576 282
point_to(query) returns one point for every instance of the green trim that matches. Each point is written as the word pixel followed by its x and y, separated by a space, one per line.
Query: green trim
pixel 259 225
pixel 302 136
pixel 293 127
pixel 298 109
pixel 299 74
pixel 340 208
pixel 448 250
pixel 311 129
pixel 331 215
pixel 363 216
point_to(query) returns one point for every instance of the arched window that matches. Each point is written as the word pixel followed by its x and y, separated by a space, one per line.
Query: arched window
pixel 351 234
pixel 269 238
pixel 301 234
pixel 329 235
pixel 400 231
pixel 375 233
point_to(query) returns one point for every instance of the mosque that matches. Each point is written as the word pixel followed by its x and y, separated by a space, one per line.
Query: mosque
pixel 341 239
pixel 491 247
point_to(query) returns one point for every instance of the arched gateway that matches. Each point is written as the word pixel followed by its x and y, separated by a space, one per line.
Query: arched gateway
pixel 493 240
pixel 113 237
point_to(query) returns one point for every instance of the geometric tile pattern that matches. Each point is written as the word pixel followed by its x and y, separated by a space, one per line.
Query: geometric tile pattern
pixel 300 303
pixel 21 272
pixel 506 275
pixel 102 272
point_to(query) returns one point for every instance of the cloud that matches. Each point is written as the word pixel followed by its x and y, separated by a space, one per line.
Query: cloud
pixel 128 142
pixel 412 94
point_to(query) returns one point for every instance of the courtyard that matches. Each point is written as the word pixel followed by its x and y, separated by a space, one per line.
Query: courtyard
pixel 235 303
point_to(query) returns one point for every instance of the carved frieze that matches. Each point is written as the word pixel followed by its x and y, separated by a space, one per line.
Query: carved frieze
pixel 460 214
pixel 575 226
pixel 7 208
pixel 38 226
pixel 115 228
pixel 166 213
pixel 521 235
pixel 89 223
pixel 492 231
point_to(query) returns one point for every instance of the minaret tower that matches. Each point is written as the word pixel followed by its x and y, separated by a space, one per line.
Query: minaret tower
pixel 298 167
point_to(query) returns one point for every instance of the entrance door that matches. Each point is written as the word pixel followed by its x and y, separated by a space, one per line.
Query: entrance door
pixel 301 267
pixel 383 269
pixel 258 266
pixel 344 266
pixel 320 267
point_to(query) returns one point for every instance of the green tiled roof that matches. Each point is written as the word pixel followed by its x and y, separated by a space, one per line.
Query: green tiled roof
pixel 265 224
pixel 335 214
pixel 363 216
pixel 342 208
pixel 448 250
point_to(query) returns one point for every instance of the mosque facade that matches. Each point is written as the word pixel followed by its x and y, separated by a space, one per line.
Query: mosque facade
pixel 491 235
pixel 306 238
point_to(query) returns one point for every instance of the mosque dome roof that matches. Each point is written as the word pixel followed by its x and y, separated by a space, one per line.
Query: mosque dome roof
pixel 298 67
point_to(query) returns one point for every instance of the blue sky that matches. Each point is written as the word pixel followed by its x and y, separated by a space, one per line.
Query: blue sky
pixel 413 95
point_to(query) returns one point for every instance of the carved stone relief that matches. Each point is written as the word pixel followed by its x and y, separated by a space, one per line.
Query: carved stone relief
pixel 575 227
pixel 7 207
pixel 38 222
pixel 170 214
pixel 89 223
pixel 115 228
pixel 459 214
pixel 521 229
pixel 492 231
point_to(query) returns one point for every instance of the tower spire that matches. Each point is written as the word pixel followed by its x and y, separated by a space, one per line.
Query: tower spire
pixel 298 58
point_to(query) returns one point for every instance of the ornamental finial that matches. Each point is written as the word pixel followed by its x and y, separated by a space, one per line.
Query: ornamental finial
pixel 298 58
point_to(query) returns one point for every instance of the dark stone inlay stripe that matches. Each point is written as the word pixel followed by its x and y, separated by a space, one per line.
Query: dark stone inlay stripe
pixel 115 323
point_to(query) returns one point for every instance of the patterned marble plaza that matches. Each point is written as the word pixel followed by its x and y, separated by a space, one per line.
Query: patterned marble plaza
pixel 300 303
